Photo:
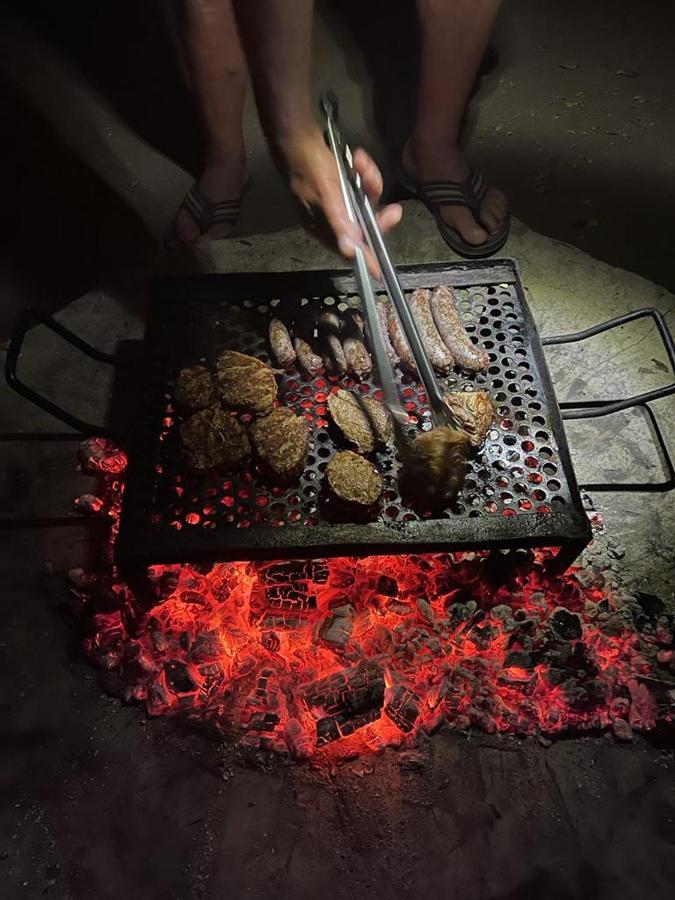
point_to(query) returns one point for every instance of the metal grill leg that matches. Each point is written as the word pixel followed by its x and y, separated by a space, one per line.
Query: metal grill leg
pixel 566 555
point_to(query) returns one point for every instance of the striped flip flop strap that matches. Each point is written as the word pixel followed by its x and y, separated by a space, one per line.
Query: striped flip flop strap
pixel 206 213
pixel 455 193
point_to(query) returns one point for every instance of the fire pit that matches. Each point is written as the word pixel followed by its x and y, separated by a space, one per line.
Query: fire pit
pixel 349 655
pixel 362 635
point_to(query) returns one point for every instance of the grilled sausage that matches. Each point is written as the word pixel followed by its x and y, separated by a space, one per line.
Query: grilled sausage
pixel 281 344
pixel 467 356
pixel 358 359
pixel 439 355
pixel 329 329
pixel 391 353
pixel 398 341
pixel 308 359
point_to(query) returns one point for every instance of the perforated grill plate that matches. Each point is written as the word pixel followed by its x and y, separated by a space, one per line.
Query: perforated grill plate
pixel 520 488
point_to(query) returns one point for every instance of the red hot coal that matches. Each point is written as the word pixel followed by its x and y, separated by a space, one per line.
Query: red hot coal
pixel 347 655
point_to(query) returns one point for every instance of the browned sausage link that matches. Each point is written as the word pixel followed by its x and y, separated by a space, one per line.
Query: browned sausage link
pixel 391 353
pixel 309 361
pixel 329 329
pixel 443 308
pixel 398 340
pixel 358 359
pixel 439 356
pixel 281 344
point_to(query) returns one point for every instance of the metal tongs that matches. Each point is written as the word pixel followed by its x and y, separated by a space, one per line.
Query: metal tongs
pixel 360 211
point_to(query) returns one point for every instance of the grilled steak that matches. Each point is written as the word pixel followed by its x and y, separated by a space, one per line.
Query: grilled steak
pixel 435 465
pixel 195 388
pixel 281 440
pixel 245 382
pixel 214 439
pixel 474 411
pixel 353 480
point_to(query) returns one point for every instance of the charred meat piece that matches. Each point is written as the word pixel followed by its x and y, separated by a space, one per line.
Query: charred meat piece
pixel 474 411
pixel 214 439
pixel 329 329
pixel 195 388
pixel 435 466
pixel 281 344
pixel 379 419
pixel 308 360
pixel 348 415
pixel 281 441
pixel 353 480
pixel 358 359
pixel 245 382
pixel 468 357
pixel 439 356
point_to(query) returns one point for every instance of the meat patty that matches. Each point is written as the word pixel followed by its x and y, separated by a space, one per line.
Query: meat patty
pixel 350 418
pixel 245 382
pixel 195 388
pixel 435 465
pixel 353 480
pixel 281 440
pixel 362 420
pixel 214 439
pixel 379 419
pixel 474 411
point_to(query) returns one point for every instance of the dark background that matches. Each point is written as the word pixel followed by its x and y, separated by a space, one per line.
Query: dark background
pixel 576 123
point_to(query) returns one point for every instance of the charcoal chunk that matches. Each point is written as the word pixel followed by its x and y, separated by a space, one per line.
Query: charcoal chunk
pixel 345 701
pixel 336 628
pixel 403 708
pixel 566 624
pixel 519 659
pixel 178 677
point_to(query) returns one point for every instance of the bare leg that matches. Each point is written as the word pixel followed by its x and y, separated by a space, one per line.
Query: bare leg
pixel 278 35
pixel 218 69
pixel 455 34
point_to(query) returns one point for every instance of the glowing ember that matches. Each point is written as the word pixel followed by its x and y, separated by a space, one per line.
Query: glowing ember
pixel 303 657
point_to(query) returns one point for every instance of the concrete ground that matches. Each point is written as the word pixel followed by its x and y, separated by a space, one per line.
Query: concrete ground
pixel 99 802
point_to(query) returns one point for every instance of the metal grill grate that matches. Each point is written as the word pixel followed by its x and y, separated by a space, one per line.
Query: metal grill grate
pixel 519 489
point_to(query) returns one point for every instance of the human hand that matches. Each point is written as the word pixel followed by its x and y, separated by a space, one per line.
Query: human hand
pixel 313 178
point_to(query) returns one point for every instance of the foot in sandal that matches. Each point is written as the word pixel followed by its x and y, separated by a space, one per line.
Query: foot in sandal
pixel 472 216
pixel 211 207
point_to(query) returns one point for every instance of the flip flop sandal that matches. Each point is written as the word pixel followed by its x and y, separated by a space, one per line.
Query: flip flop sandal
pixel 470 193
pixel 205 214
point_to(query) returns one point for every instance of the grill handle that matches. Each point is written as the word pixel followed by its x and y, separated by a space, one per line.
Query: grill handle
pixel 592 409
pixel 32 316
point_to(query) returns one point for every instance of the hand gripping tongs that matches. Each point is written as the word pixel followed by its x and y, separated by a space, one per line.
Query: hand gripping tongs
pixel 360 211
